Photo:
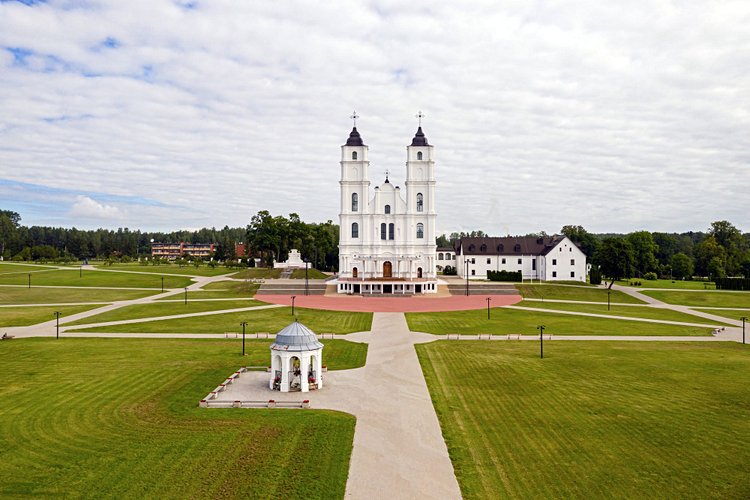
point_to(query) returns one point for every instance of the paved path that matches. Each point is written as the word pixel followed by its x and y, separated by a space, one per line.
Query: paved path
pixel 399 451
pixel 359 303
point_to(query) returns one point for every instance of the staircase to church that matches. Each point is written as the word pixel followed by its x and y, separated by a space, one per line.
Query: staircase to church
pixel 316 288
pixel 483 288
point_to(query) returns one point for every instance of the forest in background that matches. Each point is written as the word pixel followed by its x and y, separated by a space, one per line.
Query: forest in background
pixel 721 250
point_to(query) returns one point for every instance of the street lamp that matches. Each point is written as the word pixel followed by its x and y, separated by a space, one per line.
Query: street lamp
pixel 57 327
pixel 185 295
pixel 608 292
pixel 467 276
pixel 743 319
pixel 244 324
pixel 670 273
pixel 80 271
pixel 541 340
pixel 307 263
pixel 488 307
pixel 29 280
pixel 162 284
pixel 293 297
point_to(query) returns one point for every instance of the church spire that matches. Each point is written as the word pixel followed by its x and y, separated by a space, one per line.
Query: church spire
pixel 419 138
pixel 354 137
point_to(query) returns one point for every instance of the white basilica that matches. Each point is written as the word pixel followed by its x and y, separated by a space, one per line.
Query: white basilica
pixel 387 239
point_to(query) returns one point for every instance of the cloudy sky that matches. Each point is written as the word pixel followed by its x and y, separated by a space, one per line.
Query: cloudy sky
pixel 162 115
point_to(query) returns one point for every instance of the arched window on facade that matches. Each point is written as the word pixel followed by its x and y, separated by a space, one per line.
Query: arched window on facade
pixel 391 230
pixel 420 202
pixel 387 209
pixel 354 155
pixel 483 248
pixel 440 256
pixel 420 230
pixel 355 230
pixel 382 231
pixel 419 155
pixel 355 202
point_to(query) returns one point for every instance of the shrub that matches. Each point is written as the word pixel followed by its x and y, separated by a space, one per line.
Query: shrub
pixel 650 276
pixel 504 276
pixel 733 284
pixel 449 271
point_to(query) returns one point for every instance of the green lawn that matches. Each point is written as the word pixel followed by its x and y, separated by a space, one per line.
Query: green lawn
pixel 702 299
pixel 93 278
pixel 562 292
pixel 17 267
pixel 257 273
pixel 223 290
pixel 674 284
pixel 119 418
pixel 266 320
pixel 163 309
pixel 311 274
pixel 191 270
pixel 731 314
pixel 31 315
pixel 593 419
pixel 504 320
pixel 35 295
pixel 615 310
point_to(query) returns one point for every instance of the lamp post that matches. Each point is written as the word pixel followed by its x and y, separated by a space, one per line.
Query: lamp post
pixel 541 340
pixel 467 276
pixel 608 292
pixel 244 324
pixel 488 307
pixel 29 280
pixel 670 273
pixel 162 284
pixel 743 319
pixel 185 295
pixel 80 271
pixel 293 297
pixel 57 326
pixel 307 263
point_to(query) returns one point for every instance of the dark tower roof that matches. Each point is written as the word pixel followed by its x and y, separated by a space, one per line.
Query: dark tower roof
pixel 354 138
pixel 419 138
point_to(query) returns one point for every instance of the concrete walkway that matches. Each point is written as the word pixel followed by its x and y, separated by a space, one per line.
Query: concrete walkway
pixel 399 451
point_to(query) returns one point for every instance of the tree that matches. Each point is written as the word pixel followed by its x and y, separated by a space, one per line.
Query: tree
pixel 9 222
pixel 682 266
pixel 734 245
pixel 705 252
pixel 442 241
pixel 587 242
pixel 615 257
pixel 716 268
pixel 644 251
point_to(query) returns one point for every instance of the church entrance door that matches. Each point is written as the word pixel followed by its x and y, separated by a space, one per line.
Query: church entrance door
pixel 387 269
pixel 387 288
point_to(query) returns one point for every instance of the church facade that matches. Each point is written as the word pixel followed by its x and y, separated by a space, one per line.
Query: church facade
pixel 387 237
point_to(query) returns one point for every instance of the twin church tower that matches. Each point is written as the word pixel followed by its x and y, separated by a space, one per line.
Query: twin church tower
pixel 387 239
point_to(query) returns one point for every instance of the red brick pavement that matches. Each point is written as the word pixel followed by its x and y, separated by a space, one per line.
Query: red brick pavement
pixel 389 304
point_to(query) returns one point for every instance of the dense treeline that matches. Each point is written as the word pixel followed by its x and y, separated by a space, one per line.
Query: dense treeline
pixel 720 252
pixel 269 238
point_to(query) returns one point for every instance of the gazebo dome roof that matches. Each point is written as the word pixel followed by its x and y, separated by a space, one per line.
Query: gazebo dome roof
pixel 296 337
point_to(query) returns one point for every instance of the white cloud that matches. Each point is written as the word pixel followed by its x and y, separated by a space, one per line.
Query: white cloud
pixel 87 208
pixel 616 117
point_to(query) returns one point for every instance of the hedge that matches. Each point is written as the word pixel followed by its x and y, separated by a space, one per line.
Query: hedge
pixel 504 276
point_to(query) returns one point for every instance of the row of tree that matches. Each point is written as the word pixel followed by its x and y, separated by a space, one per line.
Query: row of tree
pixel 722 251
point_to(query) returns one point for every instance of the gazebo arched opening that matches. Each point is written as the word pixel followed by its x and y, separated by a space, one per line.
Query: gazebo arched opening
pixel 295 374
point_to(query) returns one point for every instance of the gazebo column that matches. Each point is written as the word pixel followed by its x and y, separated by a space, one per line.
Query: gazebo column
pixel 319 368
pixel 304 366
pixel 285 358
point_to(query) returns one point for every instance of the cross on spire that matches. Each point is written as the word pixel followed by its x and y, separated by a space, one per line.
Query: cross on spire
pixel 387 172
pixel 354 118
pixel 420 115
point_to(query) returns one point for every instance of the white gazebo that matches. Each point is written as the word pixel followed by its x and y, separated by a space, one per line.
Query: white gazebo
pixel 296 360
